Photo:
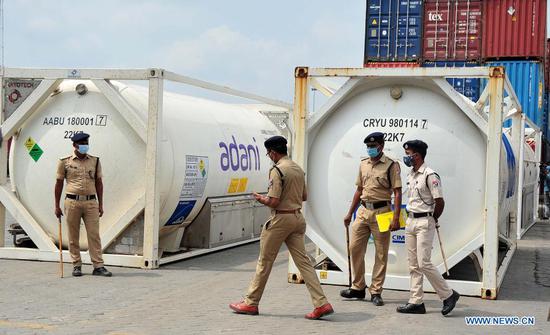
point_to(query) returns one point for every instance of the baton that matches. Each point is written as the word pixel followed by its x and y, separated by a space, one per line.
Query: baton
pixel 349 256
pixel 441 248
pixel 60 249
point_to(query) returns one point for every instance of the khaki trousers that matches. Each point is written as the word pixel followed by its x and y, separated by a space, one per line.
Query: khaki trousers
pixel 89 212
pixel 364 225
pixel 290 229
pixel 419 236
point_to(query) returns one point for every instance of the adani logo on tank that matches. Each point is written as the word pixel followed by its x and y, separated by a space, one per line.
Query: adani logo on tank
pixel 235 156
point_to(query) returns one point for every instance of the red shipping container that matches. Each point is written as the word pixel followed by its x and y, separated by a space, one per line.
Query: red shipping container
pixel 514 28
pixel 547 65
pixel 452 30
pixel 391 64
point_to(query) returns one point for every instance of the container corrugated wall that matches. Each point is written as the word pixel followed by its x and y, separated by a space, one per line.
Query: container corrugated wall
pixel 468 87
pixel 547 65
pixel 391 64
pixel 527 78
pixel 452 30
pixel 514 29
pixel 393 31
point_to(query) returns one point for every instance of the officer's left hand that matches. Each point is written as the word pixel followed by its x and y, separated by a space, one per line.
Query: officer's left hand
pixel 395 225
pixel 100 211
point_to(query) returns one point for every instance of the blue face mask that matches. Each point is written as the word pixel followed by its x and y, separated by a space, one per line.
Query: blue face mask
pixel 83 148
pixel 408 160
pixel 373 152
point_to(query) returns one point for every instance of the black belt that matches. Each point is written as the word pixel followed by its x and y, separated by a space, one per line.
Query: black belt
pixel 420 215
pixel 81 197
pixel 285 211
pixel 374 205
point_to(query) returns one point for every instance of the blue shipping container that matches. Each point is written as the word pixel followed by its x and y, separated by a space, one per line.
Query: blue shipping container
pixel 546 130
pixel 393 30
pixel 527 79
pixel 469 87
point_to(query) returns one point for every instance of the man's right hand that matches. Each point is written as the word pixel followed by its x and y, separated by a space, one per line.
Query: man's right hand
pixel 347 220
pixel 58 212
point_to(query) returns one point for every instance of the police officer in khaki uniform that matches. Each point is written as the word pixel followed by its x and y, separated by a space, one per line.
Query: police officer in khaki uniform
pixel 84 200
pixel 424 208
pixel 287 190
pixel 379 178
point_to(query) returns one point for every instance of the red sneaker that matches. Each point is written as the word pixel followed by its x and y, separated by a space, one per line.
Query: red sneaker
pixel 243 308
pixel 319 312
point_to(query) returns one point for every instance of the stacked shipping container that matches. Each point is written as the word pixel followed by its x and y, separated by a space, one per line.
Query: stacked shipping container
pixel 452 30
pixel 457 33
pixel 393 31
pixel 514 29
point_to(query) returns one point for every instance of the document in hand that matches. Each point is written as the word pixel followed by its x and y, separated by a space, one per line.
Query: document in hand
pixel 384 220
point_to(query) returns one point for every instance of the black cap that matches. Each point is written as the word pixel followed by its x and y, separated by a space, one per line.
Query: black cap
pixel 79 137
pixel 376 137
pixel 417 145
pixel 276 143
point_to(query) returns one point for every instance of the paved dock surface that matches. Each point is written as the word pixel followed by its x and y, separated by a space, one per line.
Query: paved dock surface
pixel 191 297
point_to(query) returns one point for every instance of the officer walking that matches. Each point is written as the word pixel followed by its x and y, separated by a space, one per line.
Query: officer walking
pixel 84 200
pixel 425 206
pixel 379 177
pixel 287 190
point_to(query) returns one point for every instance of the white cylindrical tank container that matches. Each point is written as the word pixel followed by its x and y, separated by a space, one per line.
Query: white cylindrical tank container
pixel 208 149
pixel 457 152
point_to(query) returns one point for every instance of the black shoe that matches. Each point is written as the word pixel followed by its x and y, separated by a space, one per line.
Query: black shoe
pixel 412 309
pixel 377 299
pixel 77 271
pixel 450 303
pixel 102 271
pixel 351 293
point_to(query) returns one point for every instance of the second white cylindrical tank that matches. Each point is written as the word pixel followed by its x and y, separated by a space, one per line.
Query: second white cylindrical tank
pixel 457 152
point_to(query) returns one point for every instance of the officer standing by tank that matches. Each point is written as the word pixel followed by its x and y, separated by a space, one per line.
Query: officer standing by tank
pixel 286 192
pixel 424 208
pixel 379 178
pixel 84 200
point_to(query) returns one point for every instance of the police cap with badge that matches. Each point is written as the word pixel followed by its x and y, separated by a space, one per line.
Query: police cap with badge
pixel 376 137
pixel 79 137
pixel 417 145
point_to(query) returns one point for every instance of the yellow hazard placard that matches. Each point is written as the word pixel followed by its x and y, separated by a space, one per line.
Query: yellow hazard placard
pixel 323 274
pixel 29 143
pixel 374 22
pixel 384 220
pixel 242 185
pixel 234 185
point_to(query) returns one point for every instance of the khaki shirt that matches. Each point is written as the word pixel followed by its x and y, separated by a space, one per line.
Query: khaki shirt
pixel 374 179
pixel 289 188
pixel 421 194
pixel 80 174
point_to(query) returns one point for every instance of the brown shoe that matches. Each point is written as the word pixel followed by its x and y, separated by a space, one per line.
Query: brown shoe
pixel 243 308
pixel 319 312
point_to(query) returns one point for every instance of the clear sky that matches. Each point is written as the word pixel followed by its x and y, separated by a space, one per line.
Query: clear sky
pixel 252 45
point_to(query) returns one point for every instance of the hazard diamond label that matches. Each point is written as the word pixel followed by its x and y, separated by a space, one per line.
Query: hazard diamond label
pixel 36 152
pixel 29 143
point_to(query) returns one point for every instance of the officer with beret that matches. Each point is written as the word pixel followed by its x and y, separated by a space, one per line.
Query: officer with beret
pixel 286 192
pixel 424 208
pixel 379 177
pixel 83 200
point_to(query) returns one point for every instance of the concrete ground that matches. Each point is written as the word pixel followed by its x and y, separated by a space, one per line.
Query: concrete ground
pixel 191 297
